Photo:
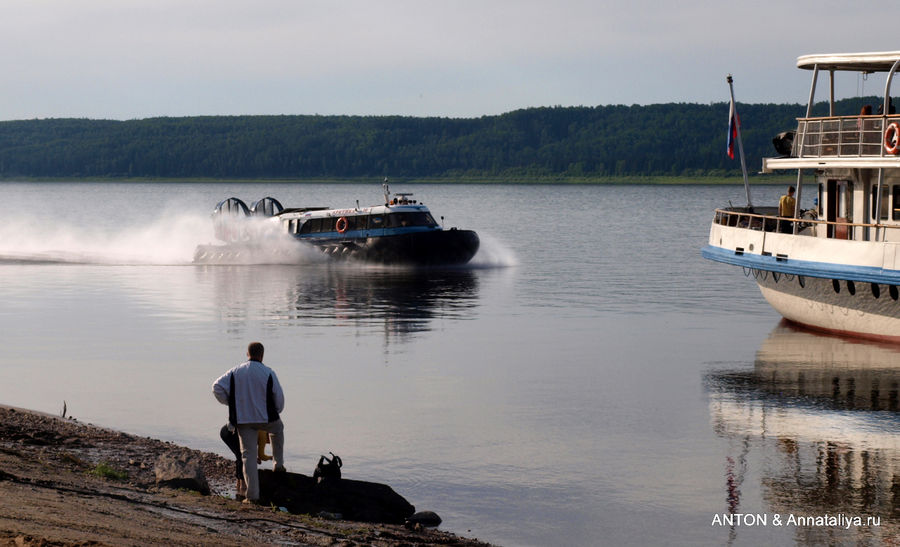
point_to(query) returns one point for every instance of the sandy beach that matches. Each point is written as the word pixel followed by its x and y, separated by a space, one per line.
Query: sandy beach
pixel 67 483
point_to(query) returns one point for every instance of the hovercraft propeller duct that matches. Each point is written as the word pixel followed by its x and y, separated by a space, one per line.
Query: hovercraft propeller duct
pixel 266 207
pixel 230 215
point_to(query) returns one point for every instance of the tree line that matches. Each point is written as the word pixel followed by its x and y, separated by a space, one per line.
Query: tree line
pixel 676 139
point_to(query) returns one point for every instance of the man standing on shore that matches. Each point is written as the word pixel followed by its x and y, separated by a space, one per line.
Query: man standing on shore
pixel 255 399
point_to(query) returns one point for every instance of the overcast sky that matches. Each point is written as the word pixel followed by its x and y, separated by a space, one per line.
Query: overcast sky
pixel 124 59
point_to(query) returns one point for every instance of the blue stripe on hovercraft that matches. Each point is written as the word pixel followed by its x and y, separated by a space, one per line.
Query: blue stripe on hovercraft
pixel 375 232
pixel 825 270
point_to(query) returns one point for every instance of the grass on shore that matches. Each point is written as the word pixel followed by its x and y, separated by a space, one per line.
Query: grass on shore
pixel 106 471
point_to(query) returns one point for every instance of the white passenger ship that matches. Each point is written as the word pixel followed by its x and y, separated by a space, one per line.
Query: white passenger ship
pixel 838 268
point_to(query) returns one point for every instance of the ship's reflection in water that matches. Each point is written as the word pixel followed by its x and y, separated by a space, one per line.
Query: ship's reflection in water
pixel 816 424
pixel 399 302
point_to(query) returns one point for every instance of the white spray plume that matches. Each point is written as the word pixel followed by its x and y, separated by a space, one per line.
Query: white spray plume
pixel 170 239
pixel 493 254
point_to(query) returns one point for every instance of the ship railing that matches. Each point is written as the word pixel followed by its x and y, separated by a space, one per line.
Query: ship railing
pixel 842 136
pixel 766 219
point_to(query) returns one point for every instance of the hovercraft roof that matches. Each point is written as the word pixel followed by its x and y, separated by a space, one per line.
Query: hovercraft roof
pixel 878 61
pixel 302 209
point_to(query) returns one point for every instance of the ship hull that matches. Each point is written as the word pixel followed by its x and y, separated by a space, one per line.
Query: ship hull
pixel 426 248
pixel 859 309
pixel 798 277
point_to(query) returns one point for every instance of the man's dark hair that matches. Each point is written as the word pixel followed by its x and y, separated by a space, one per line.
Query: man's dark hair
pixel 255 351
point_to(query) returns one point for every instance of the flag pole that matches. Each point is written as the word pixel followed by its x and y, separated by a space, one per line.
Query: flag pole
pixel 740 142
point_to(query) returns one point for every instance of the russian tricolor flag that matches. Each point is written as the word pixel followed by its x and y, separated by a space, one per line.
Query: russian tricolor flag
pixel 733 122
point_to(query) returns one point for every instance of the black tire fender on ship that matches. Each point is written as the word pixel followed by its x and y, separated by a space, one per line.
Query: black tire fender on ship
pixel 341 224
pixel 892 138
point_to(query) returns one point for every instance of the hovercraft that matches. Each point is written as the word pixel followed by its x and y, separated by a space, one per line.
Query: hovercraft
pixel 402 231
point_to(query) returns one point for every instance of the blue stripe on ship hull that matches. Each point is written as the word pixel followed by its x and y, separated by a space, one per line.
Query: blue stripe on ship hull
pixel 807 268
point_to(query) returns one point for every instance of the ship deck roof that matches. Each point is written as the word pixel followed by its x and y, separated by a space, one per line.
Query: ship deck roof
pixel 879 61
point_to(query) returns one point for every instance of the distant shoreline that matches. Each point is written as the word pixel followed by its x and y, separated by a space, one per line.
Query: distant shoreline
pixel 562 181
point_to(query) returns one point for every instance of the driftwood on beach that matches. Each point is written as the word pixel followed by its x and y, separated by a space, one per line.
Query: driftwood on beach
pixel 343 498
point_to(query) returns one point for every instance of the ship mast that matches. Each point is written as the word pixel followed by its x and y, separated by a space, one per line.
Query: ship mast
pixel 737 125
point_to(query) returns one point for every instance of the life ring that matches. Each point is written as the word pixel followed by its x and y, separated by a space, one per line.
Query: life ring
pixel 892 138
pixel 341 225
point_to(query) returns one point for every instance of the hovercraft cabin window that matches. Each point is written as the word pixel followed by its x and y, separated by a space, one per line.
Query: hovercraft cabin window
pixel 329 224
pixel 397 220
pixel 356 223
pixel 312 226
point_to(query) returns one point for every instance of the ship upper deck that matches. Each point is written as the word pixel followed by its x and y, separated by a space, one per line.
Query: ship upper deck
pixel 860 141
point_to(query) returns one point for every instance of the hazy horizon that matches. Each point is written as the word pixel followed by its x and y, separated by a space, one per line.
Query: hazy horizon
pixel 465 59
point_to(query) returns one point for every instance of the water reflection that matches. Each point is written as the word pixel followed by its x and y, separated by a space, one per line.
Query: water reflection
pixel 816 419
pixel 398 302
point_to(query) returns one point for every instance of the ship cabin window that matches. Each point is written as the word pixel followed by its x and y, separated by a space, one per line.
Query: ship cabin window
pixel 896 202
pixel 838 207
pixel 845 200
pixel 890 202
pixel 397 220
pixel 885 195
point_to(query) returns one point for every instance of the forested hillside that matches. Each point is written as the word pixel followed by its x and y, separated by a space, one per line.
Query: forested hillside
pixel 558 142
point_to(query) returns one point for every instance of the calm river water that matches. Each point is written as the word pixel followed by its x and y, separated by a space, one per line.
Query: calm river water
pixel 589 380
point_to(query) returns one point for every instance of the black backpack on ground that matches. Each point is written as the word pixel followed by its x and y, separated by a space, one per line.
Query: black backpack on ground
pixel 328 468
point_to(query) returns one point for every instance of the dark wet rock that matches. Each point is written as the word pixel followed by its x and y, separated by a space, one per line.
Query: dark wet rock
pixel 177 469
pixel 428 519
pixel 353 500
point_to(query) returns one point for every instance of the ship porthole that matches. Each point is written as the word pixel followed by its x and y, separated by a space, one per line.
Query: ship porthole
pixel 837 286
pixel 802 281
pixel 893 291
pixel 851 288
pixel 876 290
